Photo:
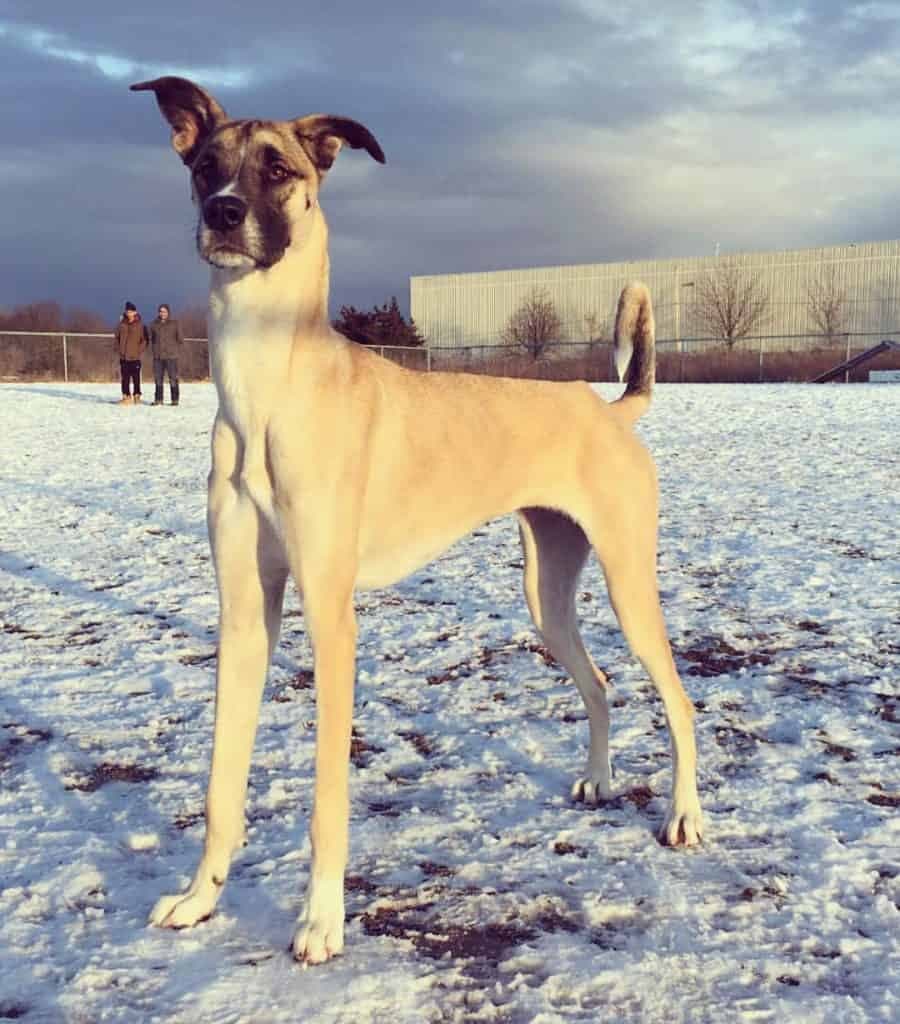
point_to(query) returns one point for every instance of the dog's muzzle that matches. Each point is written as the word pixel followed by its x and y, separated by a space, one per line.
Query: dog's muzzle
pixel 224 213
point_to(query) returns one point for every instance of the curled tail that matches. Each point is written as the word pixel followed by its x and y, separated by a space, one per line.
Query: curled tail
pixel 635 351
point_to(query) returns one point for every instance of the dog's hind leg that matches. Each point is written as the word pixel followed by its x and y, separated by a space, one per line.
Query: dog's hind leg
pixel 555 550
pixel 251 578
pixel 628 556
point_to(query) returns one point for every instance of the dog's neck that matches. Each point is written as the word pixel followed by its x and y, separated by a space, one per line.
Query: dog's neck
pixel 279 305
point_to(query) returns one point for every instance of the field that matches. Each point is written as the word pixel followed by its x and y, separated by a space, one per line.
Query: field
pixel 477 891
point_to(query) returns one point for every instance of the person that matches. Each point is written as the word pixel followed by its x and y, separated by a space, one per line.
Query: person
pixel 166 339
pixel 131 340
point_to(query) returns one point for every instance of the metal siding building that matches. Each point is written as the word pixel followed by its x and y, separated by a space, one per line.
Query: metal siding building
pixel 454 310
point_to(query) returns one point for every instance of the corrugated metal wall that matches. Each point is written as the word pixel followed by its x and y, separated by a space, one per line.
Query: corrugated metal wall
pixel 454 310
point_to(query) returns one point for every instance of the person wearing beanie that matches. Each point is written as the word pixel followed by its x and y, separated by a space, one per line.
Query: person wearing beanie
pixel 131 340
pixel 166 339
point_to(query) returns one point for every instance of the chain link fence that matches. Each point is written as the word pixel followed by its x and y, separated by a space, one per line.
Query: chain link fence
pixel 56 356
pixel 768 358
pixel 65 356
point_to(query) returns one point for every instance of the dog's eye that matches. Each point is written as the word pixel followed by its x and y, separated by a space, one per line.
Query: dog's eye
pixel 278 172
pixel 206 167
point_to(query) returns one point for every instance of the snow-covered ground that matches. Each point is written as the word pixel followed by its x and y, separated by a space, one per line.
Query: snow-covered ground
pixel 477 891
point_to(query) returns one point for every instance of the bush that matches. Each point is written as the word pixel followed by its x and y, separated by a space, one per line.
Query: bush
pixel 383 325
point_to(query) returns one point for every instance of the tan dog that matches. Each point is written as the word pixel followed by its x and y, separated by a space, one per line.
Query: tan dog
pixel 345 470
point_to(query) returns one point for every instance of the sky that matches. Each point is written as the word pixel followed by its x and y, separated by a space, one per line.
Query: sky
pixel 516 135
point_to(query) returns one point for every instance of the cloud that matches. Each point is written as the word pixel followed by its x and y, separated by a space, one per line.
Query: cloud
pixel 537 134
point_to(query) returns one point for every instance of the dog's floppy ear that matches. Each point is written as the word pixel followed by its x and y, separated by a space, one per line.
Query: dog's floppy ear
pixel 190 110
pixel 325 134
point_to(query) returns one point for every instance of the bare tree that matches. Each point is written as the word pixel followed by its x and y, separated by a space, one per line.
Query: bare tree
pixel 729 303
pixel 193 321
pixel 826 303
pixel 85 321
pixel 33 316
pixel 535 325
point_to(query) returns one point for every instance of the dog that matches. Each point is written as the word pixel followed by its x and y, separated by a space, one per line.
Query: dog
pixel 344 470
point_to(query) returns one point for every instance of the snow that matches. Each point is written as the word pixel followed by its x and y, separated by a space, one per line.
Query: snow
pixel 477 891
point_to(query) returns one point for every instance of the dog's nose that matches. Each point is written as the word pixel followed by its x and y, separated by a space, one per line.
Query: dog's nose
pixel 224 213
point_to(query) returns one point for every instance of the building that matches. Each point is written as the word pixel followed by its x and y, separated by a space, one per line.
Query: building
pixel 459 310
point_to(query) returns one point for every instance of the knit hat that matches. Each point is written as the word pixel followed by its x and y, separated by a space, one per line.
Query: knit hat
pixel 130 305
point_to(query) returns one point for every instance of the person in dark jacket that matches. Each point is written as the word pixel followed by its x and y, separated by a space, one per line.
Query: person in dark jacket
pixel 131 340
pixel 166 339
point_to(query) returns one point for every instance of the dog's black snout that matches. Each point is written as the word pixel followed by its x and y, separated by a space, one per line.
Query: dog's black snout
pixel 224 213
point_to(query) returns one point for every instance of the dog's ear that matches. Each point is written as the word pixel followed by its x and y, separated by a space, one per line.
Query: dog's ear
pixel 190 110
pixel 325 134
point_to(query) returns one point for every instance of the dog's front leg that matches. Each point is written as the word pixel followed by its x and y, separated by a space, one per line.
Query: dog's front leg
pixel 331 620
pixel 250 602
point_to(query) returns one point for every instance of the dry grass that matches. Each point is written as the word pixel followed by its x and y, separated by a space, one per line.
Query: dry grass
pixel 719 365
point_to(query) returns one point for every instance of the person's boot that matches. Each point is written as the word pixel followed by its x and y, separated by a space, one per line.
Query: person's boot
pixel 124 400
pixel 174 394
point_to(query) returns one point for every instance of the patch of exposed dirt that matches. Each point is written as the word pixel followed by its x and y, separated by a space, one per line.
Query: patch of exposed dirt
pixel 740 745
pixel 18 739
pixel 487 656
pixel 102 774
pixel 84 635
pixel 435 939
pixel 361 751
pixel 14 629
pixel 302 680
pixel 849 550
pixel 713 656
pixel 359 883
pixel 13 1010
pixel 888 711
pixel 809 626
pixel 564 849
pixel 385 809
pixel 433 870
pixel 185 821
pixel 409 604
pixel 423 745
pixel 198 659
pixel 616 934
pixel 640 796
pixel 838 750
pixel 884 799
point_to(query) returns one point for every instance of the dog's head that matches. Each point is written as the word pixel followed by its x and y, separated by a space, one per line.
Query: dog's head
pixel 255 183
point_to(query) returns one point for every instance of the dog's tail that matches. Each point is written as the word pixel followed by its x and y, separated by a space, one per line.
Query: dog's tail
pixel 635 351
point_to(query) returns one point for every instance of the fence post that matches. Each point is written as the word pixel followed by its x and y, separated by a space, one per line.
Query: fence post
pixel 65 360
pixel 428 359
pixel 847 372
pixel 762 345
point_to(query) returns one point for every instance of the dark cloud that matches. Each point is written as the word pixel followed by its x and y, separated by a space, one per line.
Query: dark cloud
pixel 516 135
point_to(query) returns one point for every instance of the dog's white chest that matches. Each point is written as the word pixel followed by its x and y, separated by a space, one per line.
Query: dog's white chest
pixel 249 370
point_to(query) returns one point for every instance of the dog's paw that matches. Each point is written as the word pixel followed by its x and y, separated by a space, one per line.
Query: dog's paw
pixel 591 792
pixel 594 787
pixel 683 825
pixel 182 910
pixel 320 931
pixel 318 941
